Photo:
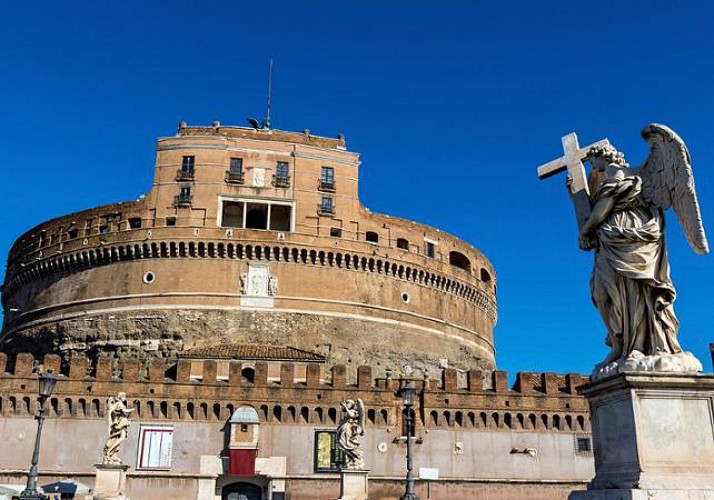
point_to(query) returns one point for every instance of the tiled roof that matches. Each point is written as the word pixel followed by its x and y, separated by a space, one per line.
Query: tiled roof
pixel 252 352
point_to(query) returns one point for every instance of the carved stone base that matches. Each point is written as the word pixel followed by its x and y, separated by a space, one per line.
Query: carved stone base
pixel 653 434
pixel 110 482
pixel 353 485
pixel 683 362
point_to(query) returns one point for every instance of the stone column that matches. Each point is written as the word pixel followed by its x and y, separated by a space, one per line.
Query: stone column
pixel 653 437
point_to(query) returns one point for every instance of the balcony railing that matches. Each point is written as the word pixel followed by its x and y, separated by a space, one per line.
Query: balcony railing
pixel 234 177
pixel 325 209
pixel 184 175
pixel 326 185
pixel 183 200
pixel 281 181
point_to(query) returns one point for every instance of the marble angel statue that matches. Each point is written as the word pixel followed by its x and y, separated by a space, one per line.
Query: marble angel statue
pixel 350 432
pixel 117 428
pixel 630 284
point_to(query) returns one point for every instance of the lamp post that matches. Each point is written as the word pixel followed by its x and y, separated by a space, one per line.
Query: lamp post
pixel 47 383
pixel 408 391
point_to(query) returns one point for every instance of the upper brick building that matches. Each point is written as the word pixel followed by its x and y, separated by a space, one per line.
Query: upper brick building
pixel 250 236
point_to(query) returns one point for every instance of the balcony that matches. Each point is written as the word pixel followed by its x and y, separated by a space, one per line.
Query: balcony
pixel 184 175
pixel 234 177
pixel 325 209
pixel 183 200
pixel 326 185
pixel 281 181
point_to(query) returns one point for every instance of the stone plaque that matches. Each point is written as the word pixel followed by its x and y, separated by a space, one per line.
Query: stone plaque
pixel 259 177
pixel 257 286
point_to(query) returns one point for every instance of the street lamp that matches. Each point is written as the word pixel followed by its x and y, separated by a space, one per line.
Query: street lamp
pixel 47 383
pixel 408 391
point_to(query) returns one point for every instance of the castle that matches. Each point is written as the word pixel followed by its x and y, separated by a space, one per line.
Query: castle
pixel 238 303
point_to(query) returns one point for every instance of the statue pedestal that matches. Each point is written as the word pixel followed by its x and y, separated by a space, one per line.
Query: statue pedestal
pixel 653 436
pixel 353 484
pixel 110 482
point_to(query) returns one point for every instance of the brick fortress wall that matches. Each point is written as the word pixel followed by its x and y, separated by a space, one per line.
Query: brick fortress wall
pixel 545 402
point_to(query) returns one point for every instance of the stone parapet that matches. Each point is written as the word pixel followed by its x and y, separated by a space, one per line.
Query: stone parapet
pixel 483 402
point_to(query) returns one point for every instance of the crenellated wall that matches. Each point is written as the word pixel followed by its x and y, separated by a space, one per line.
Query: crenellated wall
pixel 545 402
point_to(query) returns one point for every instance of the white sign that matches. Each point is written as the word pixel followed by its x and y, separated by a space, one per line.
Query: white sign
pixel 428 474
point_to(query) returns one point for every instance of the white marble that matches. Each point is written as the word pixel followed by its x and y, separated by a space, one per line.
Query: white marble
pixel 110 482
pixel 653 434
pixel 354 484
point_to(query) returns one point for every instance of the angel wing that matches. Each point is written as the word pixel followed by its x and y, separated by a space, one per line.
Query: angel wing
pixel 362 415
pixel 667 181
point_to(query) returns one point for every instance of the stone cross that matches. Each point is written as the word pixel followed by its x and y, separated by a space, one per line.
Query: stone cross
pixel 572 161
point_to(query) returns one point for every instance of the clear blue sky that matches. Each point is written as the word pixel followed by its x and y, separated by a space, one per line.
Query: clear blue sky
pixel 451 107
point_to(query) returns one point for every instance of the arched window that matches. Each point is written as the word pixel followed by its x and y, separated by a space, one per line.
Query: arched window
pixel 403 243
pixel 371 236
pixel 457 259
pixel 485 276
pixel 248 375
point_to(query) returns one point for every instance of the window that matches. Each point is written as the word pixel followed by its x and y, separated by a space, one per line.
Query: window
pixel 485 276
pixel 135 223
pixel 184 197
pixel 430 249
pixel 280 218
pixel 335 232
pixel 235 172
pixel 583 444
pixel 187 167
pixel 73 233
pixel 170 221
pixel 256 216
pixel 326 205
pixel 155 443
pixel 232 214
pixel 247 374
pixel 281 177
pixel 244 214
pixel 327 179
pixel 103 229
pixel 457 259
pixel 328 456
pixel 371 236
pixel 237 166
pixel 402 243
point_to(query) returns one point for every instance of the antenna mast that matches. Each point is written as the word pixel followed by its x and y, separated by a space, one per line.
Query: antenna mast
pixel 270 84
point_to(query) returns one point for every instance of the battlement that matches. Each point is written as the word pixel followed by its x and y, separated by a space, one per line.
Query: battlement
pixel 166 390
pixel 23 366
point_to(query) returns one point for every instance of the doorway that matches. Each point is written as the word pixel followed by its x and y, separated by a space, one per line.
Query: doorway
pixel 242 491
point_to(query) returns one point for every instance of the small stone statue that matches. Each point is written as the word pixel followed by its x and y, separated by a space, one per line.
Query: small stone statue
pixel 349 434
pixel 244 283
pixel 630 284
pixel 118 428
pixel 272 286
